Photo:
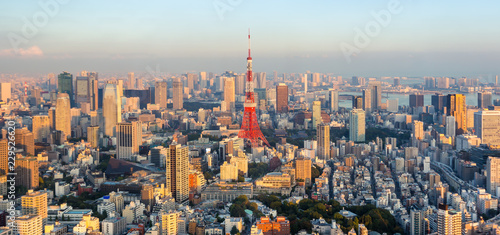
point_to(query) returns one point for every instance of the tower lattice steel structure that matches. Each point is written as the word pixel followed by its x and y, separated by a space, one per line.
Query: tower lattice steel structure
pixel 250 129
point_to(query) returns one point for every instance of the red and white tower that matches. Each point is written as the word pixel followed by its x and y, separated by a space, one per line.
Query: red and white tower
pixel 250 129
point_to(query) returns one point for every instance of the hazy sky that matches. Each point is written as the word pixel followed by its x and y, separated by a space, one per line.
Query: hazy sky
pixel 421 38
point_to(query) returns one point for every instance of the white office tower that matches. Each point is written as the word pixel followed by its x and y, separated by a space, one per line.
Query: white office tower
pixel 427 165
pixel 450 126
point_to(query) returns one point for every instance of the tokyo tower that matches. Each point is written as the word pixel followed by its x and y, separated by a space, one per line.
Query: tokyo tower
pixel 250 129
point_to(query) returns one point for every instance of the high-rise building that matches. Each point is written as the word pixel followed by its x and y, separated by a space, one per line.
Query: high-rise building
pixel 157 154
pixel 484 100
pixel 418 130
pixel 451 126
pixel 131 80
pixel 239 84
pixel 190 81
pixel 35 203
pixel 82 90
pixel 128 139
pixel 357 125
pixel 93 90
pixel 27 172
pixel 316 115
pixel 203 80
pixel 416 100
pixel 367 100
pixel 177 172
pixel 52 117
pixel 63 114
pixel 4 156
pixel 376 88
pixel 357 102
pixel 29 225
pixel 303 170
pixel 334 100
pixel 228 172
pixel 456 107
pixel 417 221
pixel 260 80
pixel 41 128
pixel 25 141
pixel 114 225
pixel 323 139
pixel 229 93
pixel 282 98
pixel 178 98
pixel 93 136
pixel 5 91
pixel 111 107
pixel 161 94
pixel 439 102
pixel 493 175
pixel 169 222
pixel 449 222
pixel 487 127
pixel 65 84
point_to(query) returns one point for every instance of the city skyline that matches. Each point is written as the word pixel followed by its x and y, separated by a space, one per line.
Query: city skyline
pixel 448 39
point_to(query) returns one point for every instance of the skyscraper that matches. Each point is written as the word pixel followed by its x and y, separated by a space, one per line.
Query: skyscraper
pixel 128 139
pixel 177 172
pixel 25 141
pixel 82 90
pixel 131 80
pixel 52 117
pixel 323 138
pixel 316 118
pixel 484 100
pixel 41 128
pixel 27 172
pixel 439 101
pixel 93 90
pixel 357 125
pixel 178 98
pixel 418 130
pixel 161 94
pixel 367 100
pixel 229 93
pixel 334 100
pixel 239 84
pixel 261 80
pixel 493 175
pixel 282 98
pixel 416 100
pixel 456 107
pixel 65 84
pixel 451 126
pixel 63 114
pixel 487 126
pixel 5 91
pixel 190 81
pixel 112 109
pixel 376 90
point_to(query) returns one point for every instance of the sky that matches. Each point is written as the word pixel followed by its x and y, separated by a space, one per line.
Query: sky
pixel 401 38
